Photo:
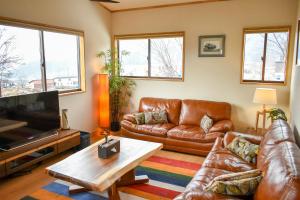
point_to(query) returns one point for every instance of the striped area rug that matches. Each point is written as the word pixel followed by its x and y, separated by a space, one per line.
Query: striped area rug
pixel 169 173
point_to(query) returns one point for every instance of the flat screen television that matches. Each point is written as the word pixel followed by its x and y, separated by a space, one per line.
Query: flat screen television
pixel 27 118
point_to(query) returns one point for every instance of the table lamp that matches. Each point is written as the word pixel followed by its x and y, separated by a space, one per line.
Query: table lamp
pixel 110 146
pixel 264 96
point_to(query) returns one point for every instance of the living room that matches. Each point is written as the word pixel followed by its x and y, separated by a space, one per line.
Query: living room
pixel 219 71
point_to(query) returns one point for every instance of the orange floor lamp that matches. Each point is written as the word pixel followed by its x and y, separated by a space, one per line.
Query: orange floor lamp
pixel 104 114
pixel 264 96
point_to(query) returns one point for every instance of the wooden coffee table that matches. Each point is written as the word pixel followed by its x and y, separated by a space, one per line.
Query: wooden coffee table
pixel 86 170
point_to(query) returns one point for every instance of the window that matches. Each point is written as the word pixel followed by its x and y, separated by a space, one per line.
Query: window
pixel 158 56
pixel 36 58
pixel 265 55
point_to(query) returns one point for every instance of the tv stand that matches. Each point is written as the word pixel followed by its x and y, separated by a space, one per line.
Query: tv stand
pixel 21 158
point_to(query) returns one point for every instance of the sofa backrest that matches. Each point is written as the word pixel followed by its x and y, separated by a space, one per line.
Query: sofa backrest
pixel 192 111
pixel 279 160
pixel 172 106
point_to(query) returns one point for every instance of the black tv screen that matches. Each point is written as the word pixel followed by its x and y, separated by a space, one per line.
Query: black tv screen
pixel 27 118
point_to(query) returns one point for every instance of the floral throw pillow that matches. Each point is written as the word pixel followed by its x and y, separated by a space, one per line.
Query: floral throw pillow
pixel 236 184
pixel 139 118
pixel 206 123
pixel 157 117
pixel 244 149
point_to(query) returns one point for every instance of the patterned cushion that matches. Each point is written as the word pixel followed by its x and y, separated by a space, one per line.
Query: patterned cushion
pixel 206 123
pixel 243 148
pixel 158 117
pixel 139 118
pixel 236 184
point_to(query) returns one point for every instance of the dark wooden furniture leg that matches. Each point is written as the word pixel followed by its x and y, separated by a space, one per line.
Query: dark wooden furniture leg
pixel 113 193
pixel 130 179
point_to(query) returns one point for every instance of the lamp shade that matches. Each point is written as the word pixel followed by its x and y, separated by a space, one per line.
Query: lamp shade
pixel 104 113
pixel 267 96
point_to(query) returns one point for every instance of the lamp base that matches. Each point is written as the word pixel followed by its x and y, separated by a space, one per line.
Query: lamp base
pixel 109 148
pixel 262 113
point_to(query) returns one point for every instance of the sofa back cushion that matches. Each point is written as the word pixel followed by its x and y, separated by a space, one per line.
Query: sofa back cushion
pixel 192 111
pixel 279 161
pixel 172 106
pixel 278 132
pixel 281 171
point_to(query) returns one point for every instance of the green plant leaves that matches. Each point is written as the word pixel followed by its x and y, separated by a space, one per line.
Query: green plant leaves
pixel 120 88
pixel 277 113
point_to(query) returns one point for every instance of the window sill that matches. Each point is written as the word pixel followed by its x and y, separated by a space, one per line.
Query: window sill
pixel 67 93
pixel 155 78
pixel 264 83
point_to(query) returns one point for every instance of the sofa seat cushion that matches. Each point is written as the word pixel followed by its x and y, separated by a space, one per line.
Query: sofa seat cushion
pixel 225 160
pixel 195 189
pixel 193 133
pixel 159 130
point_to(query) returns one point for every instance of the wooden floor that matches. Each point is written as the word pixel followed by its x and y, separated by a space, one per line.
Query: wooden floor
pixel 14 188
pixel 18 187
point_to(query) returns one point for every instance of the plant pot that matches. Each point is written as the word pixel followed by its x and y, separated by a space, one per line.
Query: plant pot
pixel 115 126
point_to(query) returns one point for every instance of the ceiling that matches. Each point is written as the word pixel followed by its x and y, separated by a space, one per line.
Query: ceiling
pixel 141 4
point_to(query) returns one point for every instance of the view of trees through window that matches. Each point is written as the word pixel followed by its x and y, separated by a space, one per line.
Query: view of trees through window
pixel 152 57
pixel 21 53
pixel 265 56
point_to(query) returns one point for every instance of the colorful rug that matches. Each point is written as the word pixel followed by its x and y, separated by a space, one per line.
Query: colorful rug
pixel 169 174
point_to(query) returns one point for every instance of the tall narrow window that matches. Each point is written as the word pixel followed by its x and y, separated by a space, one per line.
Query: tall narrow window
pixel 265 54
pixel 158 56
pixel 34 58
pixel 62 61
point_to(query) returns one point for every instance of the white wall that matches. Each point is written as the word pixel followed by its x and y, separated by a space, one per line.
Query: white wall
pixel 211 78
pixel 295 92
pixel 78 14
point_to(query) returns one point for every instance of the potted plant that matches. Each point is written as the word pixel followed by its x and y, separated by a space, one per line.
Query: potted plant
pixel 276 113
pixel 120 88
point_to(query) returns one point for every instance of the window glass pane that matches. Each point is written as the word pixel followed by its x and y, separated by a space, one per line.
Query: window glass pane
pixel 61 56
pixel 20 71
pixel 254 51
pixel 135 63
pixel 166 57
pixel 277 48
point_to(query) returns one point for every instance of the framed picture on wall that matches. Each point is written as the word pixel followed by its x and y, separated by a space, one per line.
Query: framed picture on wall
pixel 298 45
pixel 212 46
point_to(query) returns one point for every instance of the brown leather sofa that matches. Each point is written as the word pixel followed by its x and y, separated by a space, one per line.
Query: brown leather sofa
pixel 278 159
pixel 183 132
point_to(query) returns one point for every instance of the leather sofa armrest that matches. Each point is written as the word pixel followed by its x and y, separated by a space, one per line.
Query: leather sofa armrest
pixel 130 118
pixel 251 138
pixel 218 145
pixel 222 126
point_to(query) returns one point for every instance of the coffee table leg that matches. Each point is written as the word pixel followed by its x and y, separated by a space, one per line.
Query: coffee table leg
pixel 113 193
pixel 130 179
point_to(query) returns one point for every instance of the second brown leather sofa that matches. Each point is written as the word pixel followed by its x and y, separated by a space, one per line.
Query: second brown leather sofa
pixel 278 159
pixel 183 132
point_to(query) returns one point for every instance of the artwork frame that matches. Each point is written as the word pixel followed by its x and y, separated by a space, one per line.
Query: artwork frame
pixel 298 44
pixel 212 46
